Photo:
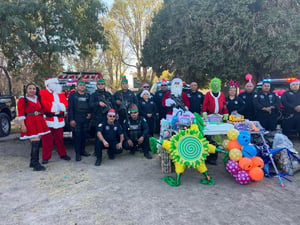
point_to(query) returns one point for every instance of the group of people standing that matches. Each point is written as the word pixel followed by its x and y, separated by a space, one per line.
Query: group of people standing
pixel 126 120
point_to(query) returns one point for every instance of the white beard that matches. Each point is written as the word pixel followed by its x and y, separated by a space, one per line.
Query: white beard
pixel 176 90
pixel 55 88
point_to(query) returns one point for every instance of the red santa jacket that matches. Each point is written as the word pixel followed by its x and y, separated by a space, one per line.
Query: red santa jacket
pixel 54 106
pixel 185 100
pixel 212 104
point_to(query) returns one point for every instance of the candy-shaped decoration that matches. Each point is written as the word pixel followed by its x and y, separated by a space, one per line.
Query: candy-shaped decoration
pixel 225 144
pixel 256 174
pixel 232 167
pixel 249 151
pixel 234 144
pixel 232 134
pixel 244 138
pixel 245 163
pixel 257 162
pixel 235 154
pixel 243 177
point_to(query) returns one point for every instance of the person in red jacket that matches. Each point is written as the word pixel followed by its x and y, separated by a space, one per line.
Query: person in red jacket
pixel 214 100
pixel 176 98
pixel 33 124
pixel 55 105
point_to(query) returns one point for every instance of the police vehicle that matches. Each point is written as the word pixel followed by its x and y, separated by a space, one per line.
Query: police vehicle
pixel 7 103
pixel 68 81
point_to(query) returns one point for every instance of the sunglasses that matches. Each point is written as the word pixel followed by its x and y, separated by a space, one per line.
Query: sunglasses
pixel 146 87
pixel 133 112
pixel 163 85
pixel 101 84
pixel 111 116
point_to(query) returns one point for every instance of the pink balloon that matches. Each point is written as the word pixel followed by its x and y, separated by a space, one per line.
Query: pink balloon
pixel 243 177
pixel 232 167
pixel 248 76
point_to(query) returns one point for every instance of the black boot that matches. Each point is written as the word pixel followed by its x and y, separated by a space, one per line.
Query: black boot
pixel 85 153
pixel 35 146
pixel 31 157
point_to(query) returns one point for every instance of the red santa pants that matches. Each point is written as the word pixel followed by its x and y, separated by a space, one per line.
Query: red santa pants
pixel 47 143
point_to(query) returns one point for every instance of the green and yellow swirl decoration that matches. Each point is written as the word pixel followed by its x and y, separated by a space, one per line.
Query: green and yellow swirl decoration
pixel 187 149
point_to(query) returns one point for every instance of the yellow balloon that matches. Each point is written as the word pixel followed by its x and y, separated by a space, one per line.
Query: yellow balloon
pixel 235 154
pixel 225 144
pixel 232 134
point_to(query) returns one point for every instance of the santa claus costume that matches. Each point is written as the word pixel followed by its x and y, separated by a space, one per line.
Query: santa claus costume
pixel 31 113
pixel 176 90
pixel 55 105
pixel 33 124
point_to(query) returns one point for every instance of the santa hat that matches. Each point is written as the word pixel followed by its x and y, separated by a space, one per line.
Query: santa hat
pixel 296 81
pixel 123 79
pixel 111 112
pixel 145 84
pixel 51 81
pixel 133 108
pixel 176 80
pixel 164 81
pixel 145 92
pixel 248 77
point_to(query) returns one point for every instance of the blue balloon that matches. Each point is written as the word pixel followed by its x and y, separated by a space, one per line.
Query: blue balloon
pixel 244 138
pixel 249 151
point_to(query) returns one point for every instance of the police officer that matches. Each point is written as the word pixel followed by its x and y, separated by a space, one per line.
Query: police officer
pixel 79 114
pixel 136 133
pixel 110 136
pixel 101 102
pixel 247 97
pixel 196 98
pixel 148 110
pixel 234 103
pixel 123 99
pixel 145 87
pixel 266 105
pixel 291 102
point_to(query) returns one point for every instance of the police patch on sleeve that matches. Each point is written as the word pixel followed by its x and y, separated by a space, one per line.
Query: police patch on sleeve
pixel 100 125
pixel 144 119
pixel 255 96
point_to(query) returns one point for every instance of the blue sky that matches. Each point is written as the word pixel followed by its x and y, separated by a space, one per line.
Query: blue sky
pixel 108 2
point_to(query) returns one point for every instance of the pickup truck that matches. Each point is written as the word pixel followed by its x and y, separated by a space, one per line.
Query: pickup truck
pixel 7 103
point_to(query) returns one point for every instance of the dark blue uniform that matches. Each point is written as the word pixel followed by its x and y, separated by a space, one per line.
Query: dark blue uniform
pixel 158 97
pixel 148 108
pixel 291 120
pixel 236 104
pixel 98 112
pixel 248 110
pixel 261 100
pixel 196 101
pixel 133 130
pixel 111 133
pixel 127 98
pixel 78 110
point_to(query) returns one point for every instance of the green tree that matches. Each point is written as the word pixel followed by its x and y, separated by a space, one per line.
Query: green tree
pixel 199 39
pixel 49 29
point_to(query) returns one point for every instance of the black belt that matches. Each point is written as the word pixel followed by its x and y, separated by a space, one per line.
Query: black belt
pixel 33 113
pixel 52 114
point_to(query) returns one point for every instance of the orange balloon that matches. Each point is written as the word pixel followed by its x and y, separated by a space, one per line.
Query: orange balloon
pixel 257 162
pixel 234 144
pixel 256 174
pixel 245 163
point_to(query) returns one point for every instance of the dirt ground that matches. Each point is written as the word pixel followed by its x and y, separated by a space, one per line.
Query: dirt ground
pixel 128 191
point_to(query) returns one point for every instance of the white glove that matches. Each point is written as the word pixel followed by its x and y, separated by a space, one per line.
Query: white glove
pixel 170 102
